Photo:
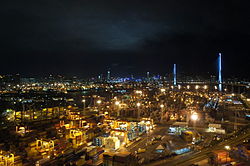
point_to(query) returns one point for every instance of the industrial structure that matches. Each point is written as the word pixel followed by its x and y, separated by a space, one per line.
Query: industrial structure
pixel 175 81
pixel 220 75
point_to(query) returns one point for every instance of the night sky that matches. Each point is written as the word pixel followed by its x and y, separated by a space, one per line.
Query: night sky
pixel 88 37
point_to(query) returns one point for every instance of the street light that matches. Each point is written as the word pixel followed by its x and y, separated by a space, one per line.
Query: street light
pixel 227 147
pixel 84 102
pixel 194 116
pixel 98 101
pixel 138 92
pixel 197 87
pixel 162 106
pixel 117 103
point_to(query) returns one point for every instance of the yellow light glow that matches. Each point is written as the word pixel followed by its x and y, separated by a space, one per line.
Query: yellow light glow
pixel 194 116
pixel 227 147
pixel 138 92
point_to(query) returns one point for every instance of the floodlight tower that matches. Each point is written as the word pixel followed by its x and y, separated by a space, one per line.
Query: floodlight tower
pixel 220 75
pixel 175 75
pixel 108 76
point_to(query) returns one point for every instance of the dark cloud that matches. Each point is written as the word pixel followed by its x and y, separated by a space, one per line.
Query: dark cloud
pixel 87 37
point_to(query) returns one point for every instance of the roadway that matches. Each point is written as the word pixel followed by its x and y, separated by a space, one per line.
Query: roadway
pixel 161 130
pixel 193 157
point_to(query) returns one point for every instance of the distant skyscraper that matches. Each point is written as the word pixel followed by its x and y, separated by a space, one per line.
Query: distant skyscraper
pixel 100 77
pixel 220 75
pixel 174 73
pixel 147 76
pixel 108 76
